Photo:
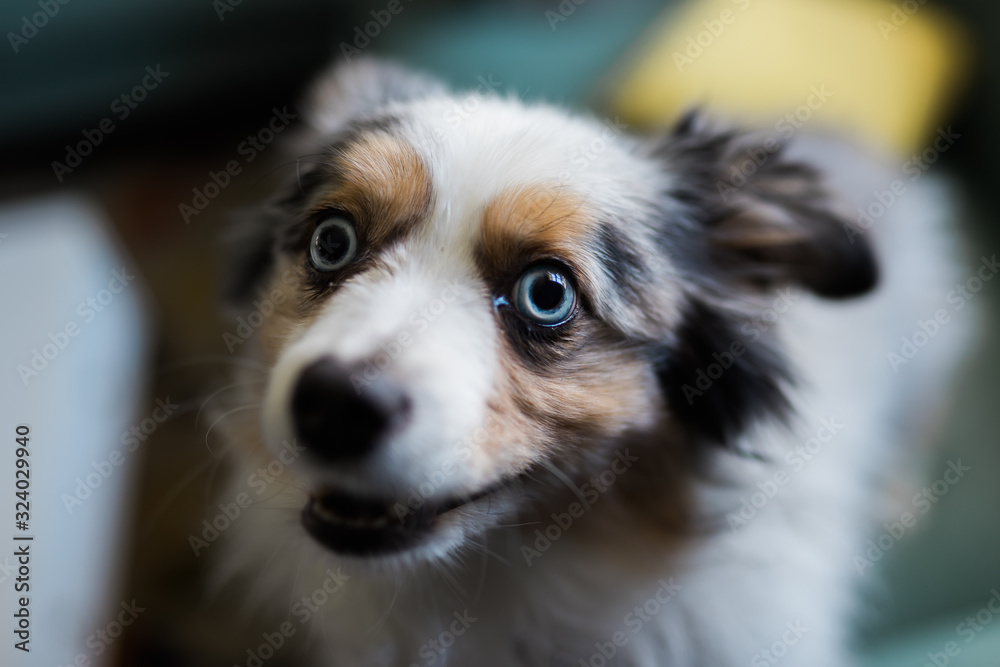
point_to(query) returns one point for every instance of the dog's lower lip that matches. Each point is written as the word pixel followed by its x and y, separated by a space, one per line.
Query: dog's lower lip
pixel 365 527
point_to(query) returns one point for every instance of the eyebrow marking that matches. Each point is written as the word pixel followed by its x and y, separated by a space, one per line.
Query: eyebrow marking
pixel 538 214
pixel 526 223
pixel 382 182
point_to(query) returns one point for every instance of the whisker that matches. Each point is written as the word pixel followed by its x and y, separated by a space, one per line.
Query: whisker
pixel 489 552
pixel 223 390
pixel 481 583
pixel 271 172
pixel 243 408
pixel 517 525
pixel 561 476
pixel 385 617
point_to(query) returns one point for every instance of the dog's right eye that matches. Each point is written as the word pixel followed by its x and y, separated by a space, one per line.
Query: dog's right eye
pixel 334 244
pixel 544 294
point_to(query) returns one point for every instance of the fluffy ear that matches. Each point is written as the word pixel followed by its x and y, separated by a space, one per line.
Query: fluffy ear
pixel 765 221
pixel 348 92
pixel 753 222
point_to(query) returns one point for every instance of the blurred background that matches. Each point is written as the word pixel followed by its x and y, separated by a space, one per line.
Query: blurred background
pixel 117 119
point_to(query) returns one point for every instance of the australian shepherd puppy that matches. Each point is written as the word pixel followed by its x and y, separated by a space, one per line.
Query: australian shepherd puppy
pixel 539 392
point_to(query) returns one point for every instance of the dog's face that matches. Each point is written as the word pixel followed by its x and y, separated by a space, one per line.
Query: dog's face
pixel 481 295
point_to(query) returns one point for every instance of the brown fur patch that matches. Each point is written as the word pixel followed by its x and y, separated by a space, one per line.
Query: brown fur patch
pixel 382 182
pixel 532 222
pixel 575 396
pixel 580 418
pixel 292 311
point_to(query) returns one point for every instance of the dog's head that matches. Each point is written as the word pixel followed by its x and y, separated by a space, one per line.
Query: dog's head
pixel 478 294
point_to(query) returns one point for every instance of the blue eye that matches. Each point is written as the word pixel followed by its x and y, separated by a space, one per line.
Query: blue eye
pixel 334 244
pixel 545 295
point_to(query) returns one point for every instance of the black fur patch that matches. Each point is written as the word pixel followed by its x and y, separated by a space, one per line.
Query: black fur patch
pixel 777 226
pixel 622 264
pixel 249 257
pixel 716 381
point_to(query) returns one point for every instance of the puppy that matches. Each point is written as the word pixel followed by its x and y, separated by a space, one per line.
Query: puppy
pixel 539 392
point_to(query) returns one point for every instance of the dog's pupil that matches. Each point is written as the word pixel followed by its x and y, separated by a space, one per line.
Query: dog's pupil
pixel 333 242
pixel 547 294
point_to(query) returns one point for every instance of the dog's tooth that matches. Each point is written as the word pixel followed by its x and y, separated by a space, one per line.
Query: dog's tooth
pixel 367 523
pixel 326 515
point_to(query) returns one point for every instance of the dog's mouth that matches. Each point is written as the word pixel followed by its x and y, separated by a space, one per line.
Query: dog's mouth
pixel 357 526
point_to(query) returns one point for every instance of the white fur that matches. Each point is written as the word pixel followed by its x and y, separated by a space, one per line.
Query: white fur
pixel 738 589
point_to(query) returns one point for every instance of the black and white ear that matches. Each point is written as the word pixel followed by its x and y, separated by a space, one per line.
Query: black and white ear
pixel 350 91
pixel 754 222
pixel 766 221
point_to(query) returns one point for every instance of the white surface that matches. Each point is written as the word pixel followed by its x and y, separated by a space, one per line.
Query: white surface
pixel 54 256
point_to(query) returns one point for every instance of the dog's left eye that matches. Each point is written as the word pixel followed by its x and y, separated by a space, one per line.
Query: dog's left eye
pixel 334 243
pixel 545 295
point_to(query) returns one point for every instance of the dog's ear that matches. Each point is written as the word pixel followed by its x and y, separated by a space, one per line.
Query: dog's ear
pixel 764 221
pixel 751 221
pixel 348 92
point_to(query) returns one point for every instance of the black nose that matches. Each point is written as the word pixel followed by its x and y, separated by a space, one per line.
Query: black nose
pixel 337 422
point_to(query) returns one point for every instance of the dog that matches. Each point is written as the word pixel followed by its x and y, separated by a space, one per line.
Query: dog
pixel 537 391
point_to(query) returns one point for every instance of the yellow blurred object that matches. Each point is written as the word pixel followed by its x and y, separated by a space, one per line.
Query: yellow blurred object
pixel 887 69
